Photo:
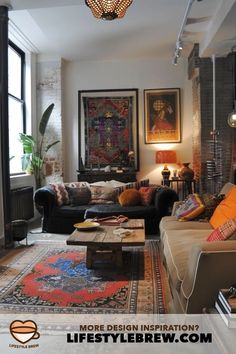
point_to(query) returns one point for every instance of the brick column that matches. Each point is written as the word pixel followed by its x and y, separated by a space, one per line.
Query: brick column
pixel 201 73
pixel 49 90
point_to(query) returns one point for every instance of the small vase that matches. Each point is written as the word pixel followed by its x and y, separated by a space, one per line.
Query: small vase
pixel 186 172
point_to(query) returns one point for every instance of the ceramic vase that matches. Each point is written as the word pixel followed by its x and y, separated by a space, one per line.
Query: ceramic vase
pixel 186 172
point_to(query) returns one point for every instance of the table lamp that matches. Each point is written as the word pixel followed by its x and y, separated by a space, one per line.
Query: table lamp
pixel 165 157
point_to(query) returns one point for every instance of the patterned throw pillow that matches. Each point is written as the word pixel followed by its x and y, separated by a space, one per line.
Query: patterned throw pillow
pixel 190 208
pixel 130 197
pixel 146 195
pixel 62 196
pixel 210 201
pixel 102 195
pixel 61 193
pixel 79 196
pixel 224 231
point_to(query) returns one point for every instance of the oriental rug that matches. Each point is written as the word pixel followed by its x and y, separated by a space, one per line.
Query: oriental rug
pixel 54 279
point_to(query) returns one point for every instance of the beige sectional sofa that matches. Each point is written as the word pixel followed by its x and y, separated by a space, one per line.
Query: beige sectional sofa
pixel 196 268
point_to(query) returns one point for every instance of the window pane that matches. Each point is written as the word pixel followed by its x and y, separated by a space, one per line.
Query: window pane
pixel 15 127
pixel 14 73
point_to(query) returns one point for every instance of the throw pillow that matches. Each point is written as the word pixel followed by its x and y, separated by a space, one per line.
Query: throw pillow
pixel 224 231
pixel 77 184
pixel 130 197
pixel 146 195
pixel 225 210
pixel 102 195
pixel 61 193
pixel 190 208
pixel 210 201
pixel 79 196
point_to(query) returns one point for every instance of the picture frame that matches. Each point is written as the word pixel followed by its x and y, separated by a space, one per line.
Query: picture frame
pixel 162 115
pixel 108 129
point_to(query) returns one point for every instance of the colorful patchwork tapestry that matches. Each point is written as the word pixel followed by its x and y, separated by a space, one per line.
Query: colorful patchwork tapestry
pixel 108 130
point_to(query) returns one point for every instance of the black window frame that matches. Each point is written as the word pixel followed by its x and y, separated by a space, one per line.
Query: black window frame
pixel 21 100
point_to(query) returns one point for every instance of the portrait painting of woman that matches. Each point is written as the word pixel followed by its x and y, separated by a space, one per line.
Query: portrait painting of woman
pixel 162 115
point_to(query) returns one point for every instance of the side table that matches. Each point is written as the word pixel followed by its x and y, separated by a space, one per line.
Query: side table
pixel 182 187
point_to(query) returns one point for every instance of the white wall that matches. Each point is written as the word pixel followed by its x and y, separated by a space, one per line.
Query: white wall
pixel 121 75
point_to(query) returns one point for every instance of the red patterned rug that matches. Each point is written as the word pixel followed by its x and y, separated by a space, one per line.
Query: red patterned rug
pixel 57 280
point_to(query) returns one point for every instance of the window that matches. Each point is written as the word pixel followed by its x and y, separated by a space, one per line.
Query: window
pixel 16 78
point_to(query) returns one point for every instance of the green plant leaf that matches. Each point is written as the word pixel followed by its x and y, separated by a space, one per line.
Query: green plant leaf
pixel 45 118
pixel 50 145
pixel 28 143
pixel 36 162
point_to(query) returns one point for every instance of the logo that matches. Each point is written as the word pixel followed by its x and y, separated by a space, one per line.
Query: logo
pixel 23 332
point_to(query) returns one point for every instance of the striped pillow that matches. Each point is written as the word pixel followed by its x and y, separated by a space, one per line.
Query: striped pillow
pixel 224 231
pixel 62 196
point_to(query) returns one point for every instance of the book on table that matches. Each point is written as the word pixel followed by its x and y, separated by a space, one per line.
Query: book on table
pixel 228 301
pixel 228 318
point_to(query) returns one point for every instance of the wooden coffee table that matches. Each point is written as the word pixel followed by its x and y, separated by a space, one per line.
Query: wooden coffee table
pixel 103 244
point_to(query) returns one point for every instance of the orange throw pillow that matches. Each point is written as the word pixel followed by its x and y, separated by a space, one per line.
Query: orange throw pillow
pixel 129 197
pixel 225 210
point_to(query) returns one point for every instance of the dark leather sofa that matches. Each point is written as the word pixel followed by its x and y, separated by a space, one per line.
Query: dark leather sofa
pixel 61 219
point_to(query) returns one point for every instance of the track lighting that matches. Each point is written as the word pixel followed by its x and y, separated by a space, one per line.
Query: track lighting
pixel 179 44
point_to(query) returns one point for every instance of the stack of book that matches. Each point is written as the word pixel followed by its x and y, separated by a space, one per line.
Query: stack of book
pixel 226 306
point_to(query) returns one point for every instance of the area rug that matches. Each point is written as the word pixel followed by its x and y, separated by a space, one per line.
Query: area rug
pixel 56 280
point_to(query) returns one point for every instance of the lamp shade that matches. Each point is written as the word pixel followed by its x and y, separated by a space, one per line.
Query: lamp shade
pixel 108 9
pixel 166 156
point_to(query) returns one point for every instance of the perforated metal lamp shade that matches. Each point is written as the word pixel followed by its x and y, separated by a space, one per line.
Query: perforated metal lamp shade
pixel 108 9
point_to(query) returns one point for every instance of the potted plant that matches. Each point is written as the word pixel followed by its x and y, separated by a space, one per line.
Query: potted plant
pixel 34 153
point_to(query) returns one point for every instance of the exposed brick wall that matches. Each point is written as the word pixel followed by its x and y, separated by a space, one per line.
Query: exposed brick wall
pixel 202 87
pixel 49 90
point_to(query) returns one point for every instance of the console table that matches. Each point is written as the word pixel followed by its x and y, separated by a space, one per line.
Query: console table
pixel 96 176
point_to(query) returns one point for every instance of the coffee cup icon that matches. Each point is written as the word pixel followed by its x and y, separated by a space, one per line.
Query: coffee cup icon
pixel 24 331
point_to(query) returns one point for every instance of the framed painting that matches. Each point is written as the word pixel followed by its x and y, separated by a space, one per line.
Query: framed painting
pixel 108 129
pixel 162 118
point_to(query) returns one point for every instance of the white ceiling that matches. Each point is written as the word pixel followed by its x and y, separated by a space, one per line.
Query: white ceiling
pixel 66 28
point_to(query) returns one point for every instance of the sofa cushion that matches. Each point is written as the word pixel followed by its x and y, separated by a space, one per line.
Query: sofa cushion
pixel 133 212
pixel 225 210
pixel 171 223
pixel 79 196
pixel 176 249
pixel 190 208
pixel 130 197
pixel 224 231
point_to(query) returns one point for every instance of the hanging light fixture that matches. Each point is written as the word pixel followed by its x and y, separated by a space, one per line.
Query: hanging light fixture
pixel 108 9
pixel 232 115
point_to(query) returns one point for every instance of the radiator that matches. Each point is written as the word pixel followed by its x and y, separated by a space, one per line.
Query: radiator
pixel 22 206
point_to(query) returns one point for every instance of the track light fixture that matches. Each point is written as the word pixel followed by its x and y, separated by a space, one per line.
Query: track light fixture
pixel 179 43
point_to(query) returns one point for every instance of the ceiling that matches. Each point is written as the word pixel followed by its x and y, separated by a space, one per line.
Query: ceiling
pixel 67 29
